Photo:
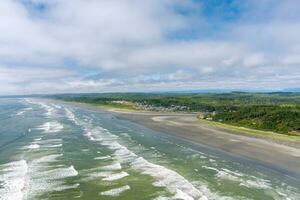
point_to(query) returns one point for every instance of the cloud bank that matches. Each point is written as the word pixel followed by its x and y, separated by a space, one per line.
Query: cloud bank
pixel 51 46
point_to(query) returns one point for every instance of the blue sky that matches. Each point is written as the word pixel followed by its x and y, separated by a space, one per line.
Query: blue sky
pixel 54 46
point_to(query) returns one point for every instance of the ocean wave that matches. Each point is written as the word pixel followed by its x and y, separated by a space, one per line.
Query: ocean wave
pixel 52 180
pixel 23 111
pixel 116 191
pixel 167 178
pixel 60 173
pixel 44 180
pixel 115 166
pixel 53 145
pixel 102 158
pixel 51 127
pixel 56 106
pixel 33 146
pixel 38 139
pixel 71 116
pixel 116 176
pixel 13 180
pixel 50 110
pixel 242 179
pixel 164 177
pixel 48 141
pixel 85 150
pixel 47 159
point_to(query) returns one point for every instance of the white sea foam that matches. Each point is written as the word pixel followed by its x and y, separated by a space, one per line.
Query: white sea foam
pixel 102 158
pixel 211 168
pixel 116 191
pixel 66 187
pixel 23 111
pixel 43 180
pixel 33 146
pixel 96 172
pixel 51 127
pixel 62 172
pixel 20 112
pixel 28 101
pixel 85 150
pixel 116 176
pixel 53 145
pixel 49 110
pixel 115 166
pixel 13 180
pixel 162 198
pixel 256 183
pixel 181 195
pixel 242 179
pixel 71 116
pixel 92 174
pixel 165 177
pixel 89 135
pixel 47 159
pixel 49 141
pixel 288 194
pixel 56 106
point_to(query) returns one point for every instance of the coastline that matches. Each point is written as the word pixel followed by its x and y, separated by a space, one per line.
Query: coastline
pixel 282 157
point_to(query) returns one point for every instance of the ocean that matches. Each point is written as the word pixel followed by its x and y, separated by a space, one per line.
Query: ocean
pixel 51 150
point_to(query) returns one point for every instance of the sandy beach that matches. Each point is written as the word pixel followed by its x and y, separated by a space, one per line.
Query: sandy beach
pixel 284 158
pixel 281 157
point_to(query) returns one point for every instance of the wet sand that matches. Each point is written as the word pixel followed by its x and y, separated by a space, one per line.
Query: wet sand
pixel 281 157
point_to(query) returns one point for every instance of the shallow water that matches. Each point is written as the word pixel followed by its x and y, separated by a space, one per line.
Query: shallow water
pixel 53 151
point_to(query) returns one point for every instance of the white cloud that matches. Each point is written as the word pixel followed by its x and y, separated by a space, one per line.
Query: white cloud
pixel 128 43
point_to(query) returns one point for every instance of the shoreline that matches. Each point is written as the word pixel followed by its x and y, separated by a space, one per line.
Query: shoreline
pixel 283 157
pixel 279 156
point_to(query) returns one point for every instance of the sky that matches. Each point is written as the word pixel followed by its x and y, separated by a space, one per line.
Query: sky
pixel 72 46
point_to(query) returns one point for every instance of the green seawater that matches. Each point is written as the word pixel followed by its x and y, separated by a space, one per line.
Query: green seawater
pixel 55 151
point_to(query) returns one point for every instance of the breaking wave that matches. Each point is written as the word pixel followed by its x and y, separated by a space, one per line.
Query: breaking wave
pixel 13 179
pixel 23 111
pixel 51 127
pixel 116 191
pixel 171 180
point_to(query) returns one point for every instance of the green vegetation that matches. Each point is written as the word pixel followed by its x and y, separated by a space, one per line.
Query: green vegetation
pixel 278 112
pixel 282 119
